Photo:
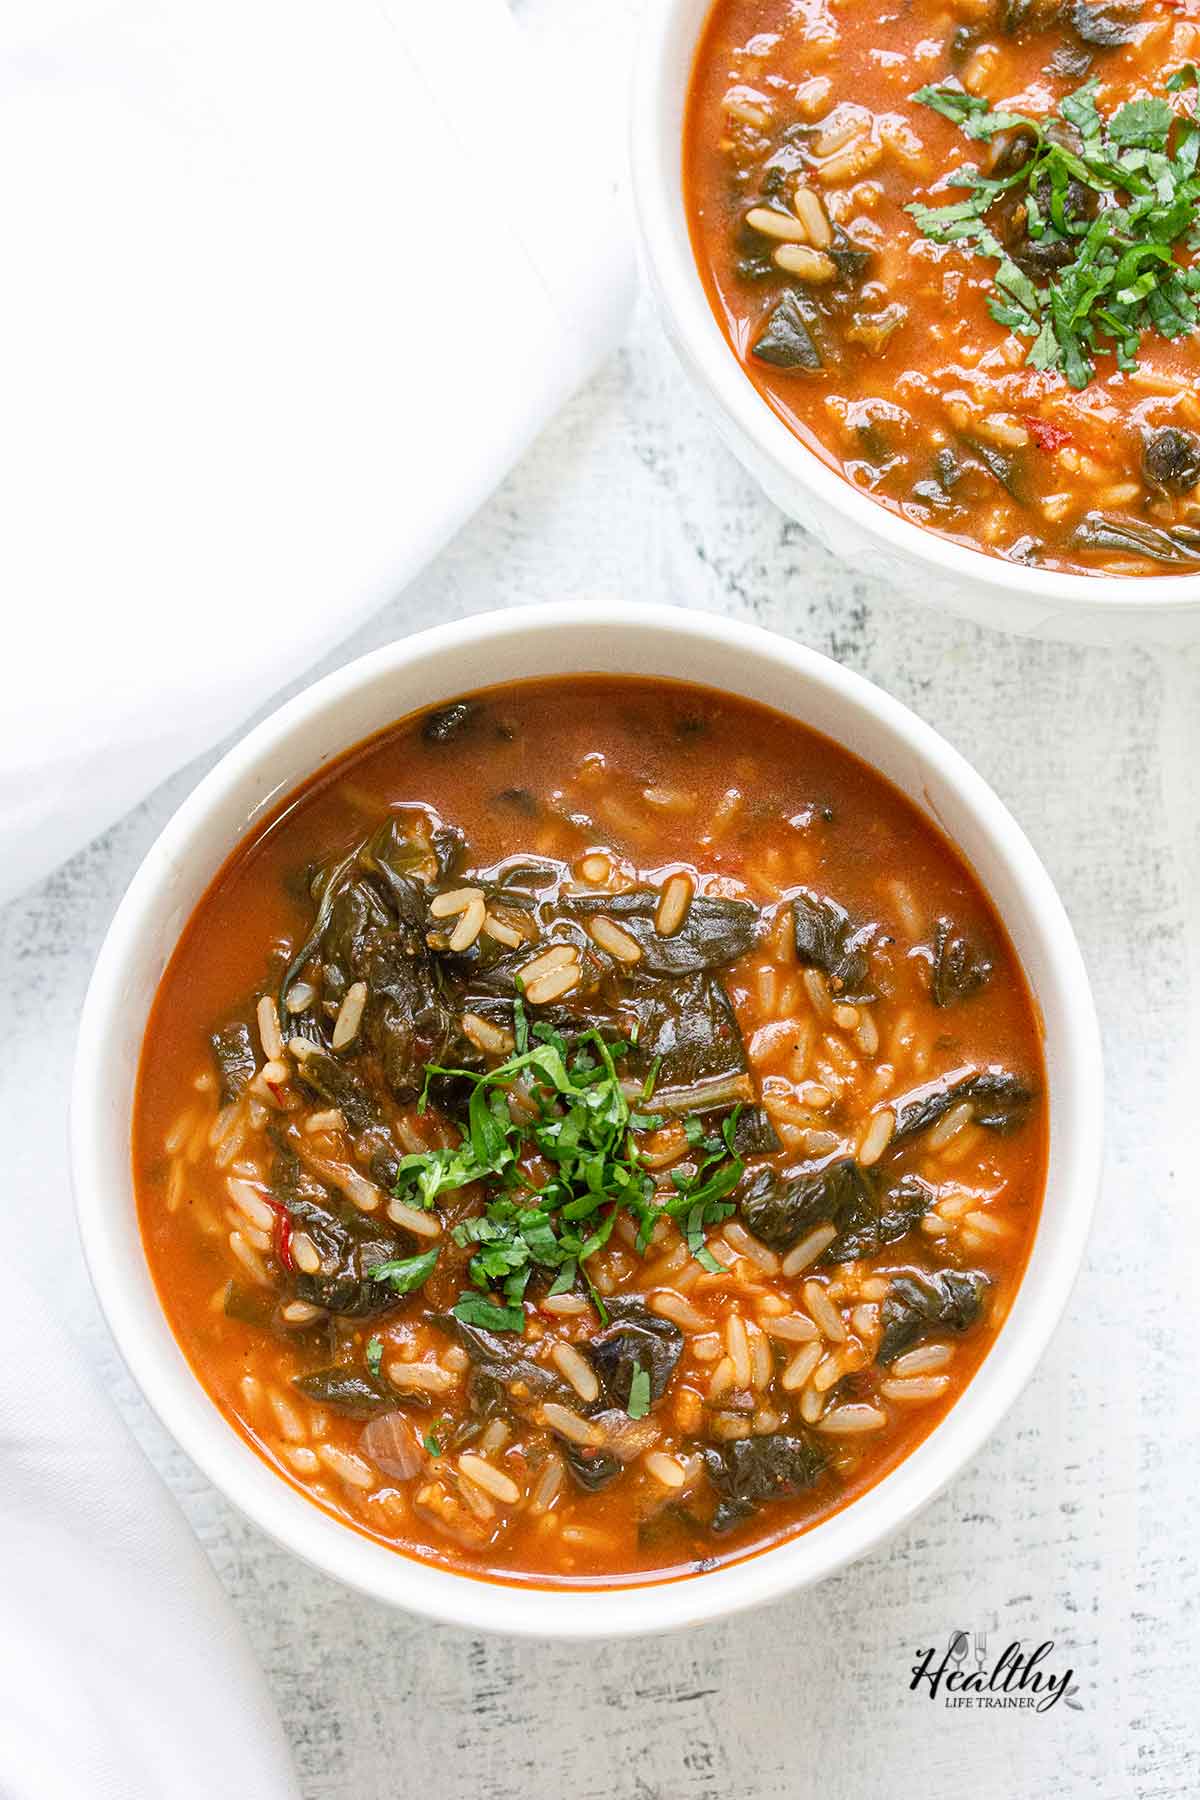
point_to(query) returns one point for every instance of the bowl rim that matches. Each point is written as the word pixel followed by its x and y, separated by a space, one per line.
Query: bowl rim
pixel 657 187
pixel 99 1143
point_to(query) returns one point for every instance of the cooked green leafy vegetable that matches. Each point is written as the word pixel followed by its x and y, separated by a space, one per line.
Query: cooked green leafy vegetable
pixel 875 1219
pixel 337 1085
pixel 1133 537
pixel 370 926
pixel 752 1471
pixel 1084 228
pixel 636 1354
pixel 250 1306
pixel 918 1305
pixel 497 1362
pixel 1171 460
pixel 233 1053
pixel 713 932
pixel 1000 1101
pixel 451 722
pixel 1104 24
pixel 346 1391
pixel 591 1469
pixel 686 1030
pixel 958 967
pixel 780 1209
pixel 349 1244
pixel 754 1134
pixel 828 939
pixel 788 341
pixel 868 1212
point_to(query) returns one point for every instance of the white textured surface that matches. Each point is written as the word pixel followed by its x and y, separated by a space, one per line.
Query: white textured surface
pixel 1076 1523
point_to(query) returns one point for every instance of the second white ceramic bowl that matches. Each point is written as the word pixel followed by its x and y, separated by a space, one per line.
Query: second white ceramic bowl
pixel 1007 596
pixel 423 671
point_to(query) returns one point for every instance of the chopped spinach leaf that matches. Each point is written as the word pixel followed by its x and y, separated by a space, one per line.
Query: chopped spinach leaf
pixel 958 968
pixel 346 1391
pixel 251 1306
pixel 349 1244
pixel 637 1348
pixel 591 1469
pixel 867 1211
pixel 780 1210
pixel 1171 460
pixel 1179 544
pixel 754 1134
pixel 1104 24
pixel 873 1220
pixel 827 938
pixel 714 932
pixel 919 1305
pixel 1001 1102
pixel 788 341
pixel 233 1053
pixel 751 1472
pixel 450 722
pixel 686 1030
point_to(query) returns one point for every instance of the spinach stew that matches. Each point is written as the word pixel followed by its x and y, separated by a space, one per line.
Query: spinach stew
pixel 592 1131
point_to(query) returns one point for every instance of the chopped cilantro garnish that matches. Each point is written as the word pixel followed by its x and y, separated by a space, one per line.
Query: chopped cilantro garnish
pixel 434 1438
pixel 1112 270
pixel 520 1019
pixel 476 1309
pixel 575 1118
pixel 639 1393
pixel 374 1353
pixel 407 1273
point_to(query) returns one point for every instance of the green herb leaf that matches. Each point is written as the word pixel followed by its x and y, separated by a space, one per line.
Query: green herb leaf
pixel 574 1116
pixel 1122 278
pixel 1079 109
pixel 639 1393
pixel 1145 122
pixel 407 1273
pixel 967 111
pixel 374 1353
pixel 474 1309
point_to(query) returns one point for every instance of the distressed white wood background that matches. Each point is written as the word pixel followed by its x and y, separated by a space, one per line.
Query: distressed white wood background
pixel 1078 1520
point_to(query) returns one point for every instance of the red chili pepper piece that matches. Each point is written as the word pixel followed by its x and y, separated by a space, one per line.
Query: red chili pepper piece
pixel 1046 436
pixel 283 1238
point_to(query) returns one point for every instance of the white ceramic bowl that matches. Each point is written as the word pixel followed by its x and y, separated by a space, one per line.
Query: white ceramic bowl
pixel 1007 596
pixel 422 671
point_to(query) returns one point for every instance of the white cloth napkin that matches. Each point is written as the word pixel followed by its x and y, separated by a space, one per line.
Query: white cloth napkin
pixel 123 1673
pixel 289 286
